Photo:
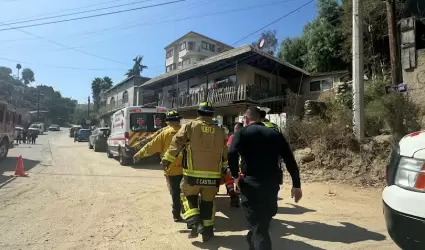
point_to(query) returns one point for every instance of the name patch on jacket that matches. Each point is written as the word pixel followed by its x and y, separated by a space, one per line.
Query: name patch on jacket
pixel 202 181
pixel 208 129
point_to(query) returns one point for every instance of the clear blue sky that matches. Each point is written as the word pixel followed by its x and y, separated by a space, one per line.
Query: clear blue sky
pixel 152 30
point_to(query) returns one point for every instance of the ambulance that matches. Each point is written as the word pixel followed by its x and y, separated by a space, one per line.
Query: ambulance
pixel 130 125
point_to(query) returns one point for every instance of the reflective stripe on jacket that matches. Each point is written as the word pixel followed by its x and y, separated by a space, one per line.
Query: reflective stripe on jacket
pixel 273 126
pixel 160 144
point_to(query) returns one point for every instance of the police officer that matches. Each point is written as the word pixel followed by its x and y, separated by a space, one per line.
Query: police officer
pixel 174 173
pixel 204 155
pixel 260 148
pixel 268 123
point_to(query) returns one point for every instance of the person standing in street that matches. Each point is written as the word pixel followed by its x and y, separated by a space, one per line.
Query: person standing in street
pixel 260 148
pixel 267 123
pixel 33 136
pixel 174 173
pixel 204 156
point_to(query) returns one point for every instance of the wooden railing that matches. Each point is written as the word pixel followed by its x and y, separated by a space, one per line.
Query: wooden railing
pixel 219 95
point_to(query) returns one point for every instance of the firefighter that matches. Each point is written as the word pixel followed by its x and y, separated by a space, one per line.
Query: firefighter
pixel 268 123
pixel 174 173
pixel 204 155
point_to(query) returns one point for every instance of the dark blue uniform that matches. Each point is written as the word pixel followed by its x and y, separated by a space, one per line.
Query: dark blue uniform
pixel 260 148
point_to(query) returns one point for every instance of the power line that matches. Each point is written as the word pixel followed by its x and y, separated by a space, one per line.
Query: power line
pixel 92 16
pixel 275 21
pixel 77 13
pixel 61 11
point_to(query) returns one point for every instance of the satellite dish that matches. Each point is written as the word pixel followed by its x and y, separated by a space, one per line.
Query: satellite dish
pixel 261 43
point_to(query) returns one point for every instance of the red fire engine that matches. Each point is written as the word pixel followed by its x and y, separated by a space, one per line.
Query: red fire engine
pixel 8 118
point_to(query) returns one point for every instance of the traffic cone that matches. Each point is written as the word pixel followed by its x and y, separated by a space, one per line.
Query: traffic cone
pixel 19 171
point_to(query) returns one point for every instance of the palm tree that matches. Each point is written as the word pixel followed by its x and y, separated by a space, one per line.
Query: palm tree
pixel 18 66
pixel 138 67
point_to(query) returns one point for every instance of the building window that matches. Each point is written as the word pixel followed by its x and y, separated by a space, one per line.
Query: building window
pixel 170 53
pixel 219 49
pixel 321 85
pixel 125 97
pixel 204 45
pixel 182 46
pixel 112 101
pixel 186 62
pixel 262 81
pixel 191 45
pixel 212 47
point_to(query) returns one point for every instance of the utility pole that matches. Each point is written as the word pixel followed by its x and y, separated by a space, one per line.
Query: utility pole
pixel 88 107
pixel 392 36
pixel 358 71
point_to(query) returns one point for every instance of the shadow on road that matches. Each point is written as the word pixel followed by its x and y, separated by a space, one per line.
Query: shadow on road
pixel 235 222
pixel 9 164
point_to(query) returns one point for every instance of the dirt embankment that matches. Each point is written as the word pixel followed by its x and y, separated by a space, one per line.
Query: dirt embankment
pixel 363 164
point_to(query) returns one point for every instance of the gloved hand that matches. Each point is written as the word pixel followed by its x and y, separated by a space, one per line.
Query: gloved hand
pixel 165 164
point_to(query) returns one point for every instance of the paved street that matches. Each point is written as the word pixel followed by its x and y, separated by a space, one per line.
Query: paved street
pixel 75 198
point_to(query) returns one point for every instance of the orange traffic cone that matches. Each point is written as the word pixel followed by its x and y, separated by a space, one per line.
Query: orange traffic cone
pixel 19 171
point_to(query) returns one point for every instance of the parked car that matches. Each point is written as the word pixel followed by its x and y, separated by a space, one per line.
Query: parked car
pixel 34 130
pixel 404 196
pixel 82 135
pixel 73 129
pixel 54 127
pixel 98 140
pixel 37 126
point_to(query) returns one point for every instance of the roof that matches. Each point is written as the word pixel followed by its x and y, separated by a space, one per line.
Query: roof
pixel 222 57
pixel 196 34
pixel 331 73
pixel 125 81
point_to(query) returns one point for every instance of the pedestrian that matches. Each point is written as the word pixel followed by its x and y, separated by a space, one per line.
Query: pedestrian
pixel 24 135
pixel 237 127
pixel 268 123
pixel 260 148
pixel 174 173
pixel 18 136
pixel 33 136
pixel 204 153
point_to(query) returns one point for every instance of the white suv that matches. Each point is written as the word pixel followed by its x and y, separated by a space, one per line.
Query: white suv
pixel 404 196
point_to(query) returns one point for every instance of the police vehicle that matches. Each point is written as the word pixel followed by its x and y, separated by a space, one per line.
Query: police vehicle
pixel 404 195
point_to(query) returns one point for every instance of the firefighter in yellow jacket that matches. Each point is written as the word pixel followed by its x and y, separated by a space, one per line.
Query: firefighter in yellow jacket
pixel 145 140
pixel 204 155
pixel 174 173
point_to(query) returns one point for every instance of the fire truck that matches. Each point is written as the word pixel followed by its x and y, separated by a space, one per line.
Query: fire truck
pixel 8 118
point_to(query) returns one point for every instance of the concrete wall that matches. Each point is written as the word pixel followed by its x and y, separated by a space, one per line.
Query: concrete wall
pixel 415 80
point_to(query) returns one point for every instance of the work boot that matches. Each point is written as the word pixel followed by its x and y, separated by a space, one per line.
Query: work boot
pixel 177 218
pixel 196 229
pixel 207 234
pixel 234 201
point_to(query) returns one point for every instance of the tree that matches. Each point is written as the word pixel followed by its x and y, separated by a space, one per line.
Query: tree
pixel 292 50
pixel 138 67
pixel 98 84
pixel 18 66
pixel 270 42
pixel 27 76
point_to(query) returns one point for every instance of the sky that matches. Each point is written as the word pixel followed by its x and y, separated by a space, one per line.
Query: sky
pixel 68 55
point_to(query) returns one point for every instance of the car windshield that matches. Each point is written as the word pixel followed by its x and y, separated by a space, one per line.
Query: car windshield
pixel 146 122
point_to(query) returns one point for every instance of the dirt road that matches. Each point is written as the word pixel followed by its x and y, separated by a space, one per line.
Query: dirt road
pixel 77 199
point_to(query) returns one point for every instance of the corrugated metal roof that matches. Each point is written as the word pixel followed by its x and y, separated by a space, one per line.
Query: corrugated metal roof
pixel 219 57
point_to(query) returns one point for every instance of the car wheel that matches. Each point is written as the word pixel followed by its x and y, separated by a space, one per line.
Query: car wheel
pixel 90 146
pixel 95 148
pixel 124 161
pixel 4 148
pixel 108 154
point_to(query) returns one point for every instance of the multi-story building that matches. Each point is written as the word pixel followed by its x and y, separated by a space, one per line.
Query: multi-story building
pixel 191 48
pixel 123 94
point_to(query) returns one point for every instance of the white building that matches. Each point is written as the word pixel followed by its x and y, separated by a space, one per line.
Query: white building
pixel 191 48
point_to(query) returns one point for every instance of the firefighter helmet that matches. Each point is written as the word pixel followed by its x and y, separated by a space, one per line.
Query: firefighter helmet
pixel 172 116
pixel 206 107
pixel 215 121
